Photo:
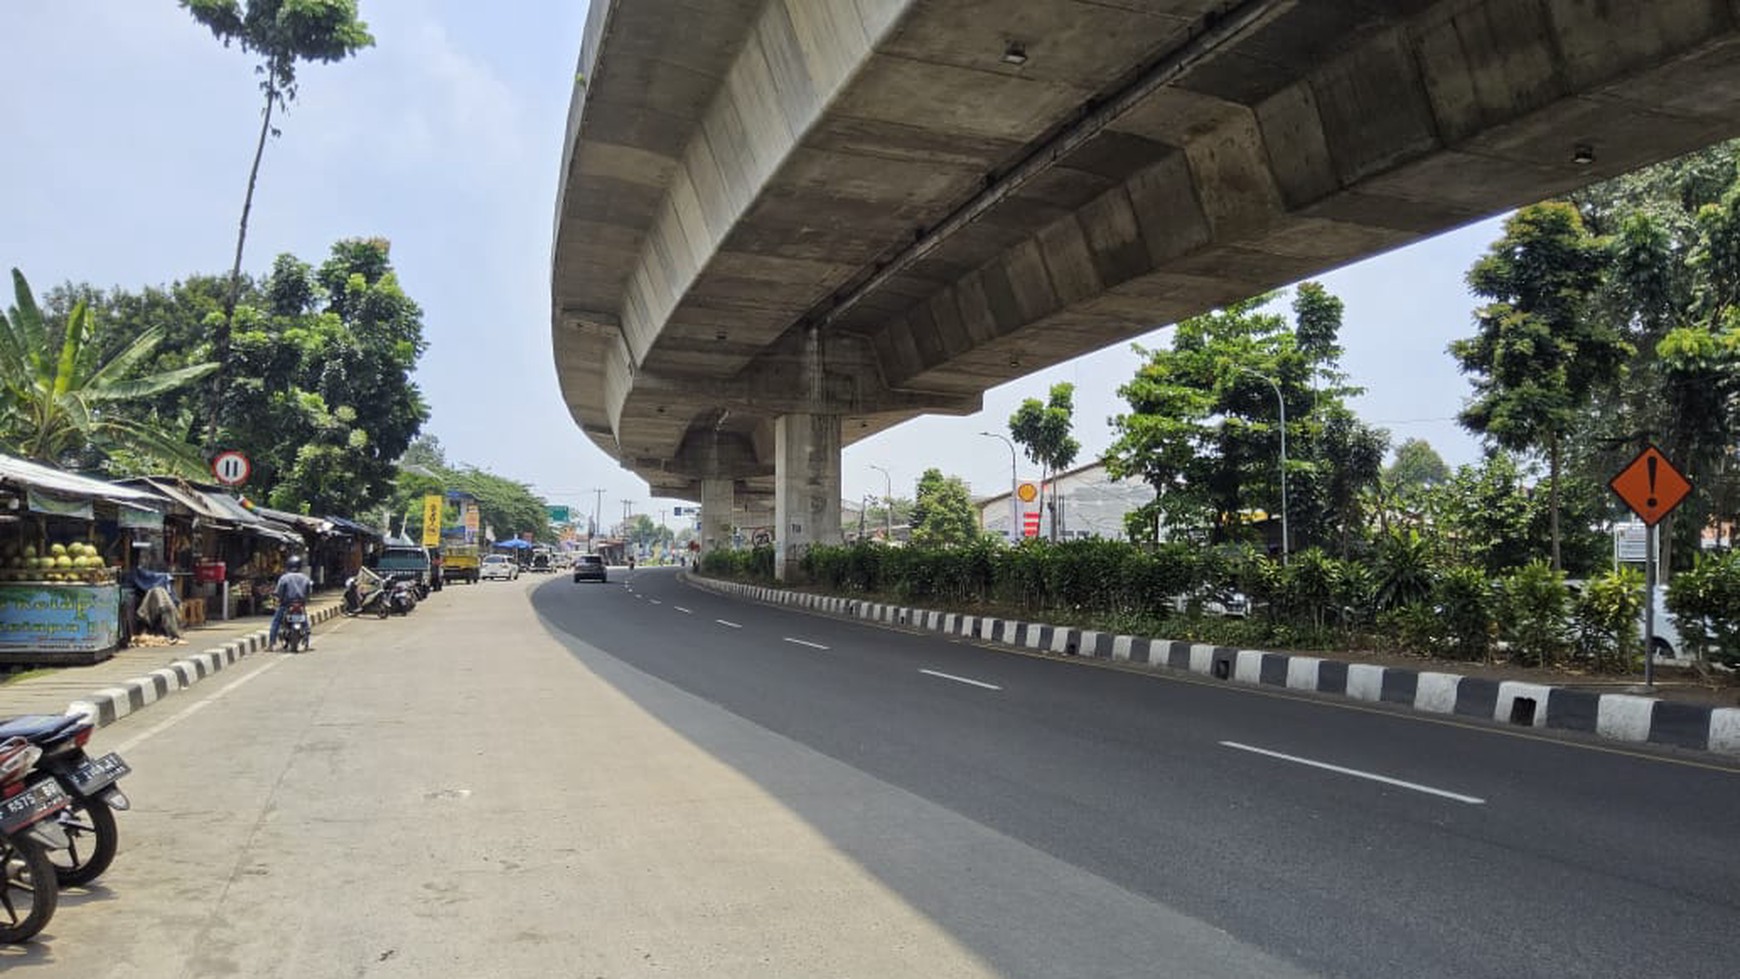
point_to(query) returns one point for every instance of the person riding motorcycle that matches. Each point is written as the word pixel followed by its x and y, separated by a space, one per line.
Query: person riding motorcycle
pixel 293 586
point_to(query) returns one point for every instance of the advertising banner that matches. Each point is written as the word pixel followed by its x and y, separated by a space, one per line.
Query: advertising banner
pixel 59 618
pixel 432 520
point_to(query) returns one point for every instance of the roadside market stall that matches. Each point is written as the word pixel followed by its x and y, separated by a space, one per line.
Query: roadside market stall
pixel 65 539
pixel 217 551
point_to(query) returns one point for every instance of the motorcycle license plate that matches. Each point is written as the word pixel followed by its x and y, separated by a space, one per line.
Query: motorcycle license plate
pixel 95 773
pixel 32 804
pixel 296 618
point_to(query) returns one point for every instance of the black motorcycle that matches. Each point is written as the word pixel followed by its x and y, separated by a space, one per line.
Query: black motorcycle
pixel 401 595
pixel 29 805
pixel 294 631
pixel 89 820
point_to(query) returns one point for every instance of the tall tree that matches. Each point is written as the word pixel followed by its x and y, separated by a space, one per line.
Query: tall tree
pixel 1673 285
pixel 66 400
pixel 1042 429
pixel 1540 351
pixel 1204 425
pixel 1417 466
pixel 280 33
pixel 943 515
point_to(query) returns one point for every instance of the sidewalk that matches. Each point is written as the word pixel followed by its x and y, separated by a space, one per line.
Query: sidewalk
pixel 134 678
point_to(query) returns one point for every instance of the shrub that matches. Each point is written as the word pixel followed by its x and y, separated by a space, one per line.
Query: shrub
pixel 1604 620
pixel 1402 570
pixel 1463 602
pixel 1705 604
pixel 1535 620
pixel 1309 585
pixel 751 565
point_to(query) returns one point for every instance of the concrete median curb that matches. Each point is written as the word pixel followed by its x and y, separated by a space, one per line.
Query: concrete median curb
pixel 1614 716
pixel 110 704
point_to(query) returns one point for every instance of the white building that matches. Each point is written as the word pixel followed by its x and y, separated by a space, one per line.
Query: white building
pixel 1090 504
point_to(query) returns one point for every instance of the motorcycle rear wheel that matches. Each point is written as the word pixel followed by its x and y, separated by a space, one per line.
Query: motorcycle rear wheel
pixel 92 838
pixel 28 889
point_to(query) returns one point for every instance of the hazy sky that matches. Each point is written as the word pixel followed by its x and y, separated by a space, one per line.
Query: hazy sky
pixel 128 131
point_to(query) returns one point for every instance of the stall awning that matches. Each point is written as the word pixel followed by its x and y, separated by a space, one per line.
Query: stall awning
pixel 183 496
pixel 353 528
pixel 249 521
pixel 52 490
pixel 301 521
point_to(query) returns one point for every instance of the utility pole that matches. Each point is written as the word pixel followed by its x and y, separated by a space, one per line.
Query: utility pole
pixel 888 503
pixel 597 502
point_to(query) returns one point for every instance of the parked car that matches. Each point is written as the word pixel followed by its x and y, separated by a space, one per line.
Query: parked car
pixel 406 560
pixel 1667 645
pixel 589 567
pixel 498 566
pixel 1213 602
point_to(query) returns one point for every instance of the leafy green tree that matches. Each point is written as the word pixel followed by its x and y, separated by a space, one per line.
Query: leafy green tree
pixel 1042 429
pixel 1540 352
pixel 1204 426
pixel 1486 516
pixel 280 33
pixel 1417 465
pixel 504 505
pixel 929 482
pixel 943 515
pixel 65 401
pixel 425 452
pixel 323 400
pixel 1673 284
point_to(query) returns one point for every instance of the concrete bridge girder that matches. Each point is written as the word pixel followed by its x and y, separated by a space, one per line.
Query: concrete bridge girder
pixel 879 173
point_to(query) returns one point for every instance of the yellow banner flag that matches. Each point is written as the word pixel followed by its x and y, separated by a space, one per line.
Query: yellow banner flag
pixel 431 520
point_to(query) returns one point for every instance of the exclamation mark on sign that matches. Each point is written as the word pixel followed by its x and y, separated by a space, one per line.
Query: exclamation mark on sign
pixel 1651 463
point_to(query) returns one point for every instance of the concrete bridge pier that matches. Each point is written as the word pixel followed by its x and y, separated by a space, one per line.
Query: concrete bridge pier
pixel 806 495
pixel 718 501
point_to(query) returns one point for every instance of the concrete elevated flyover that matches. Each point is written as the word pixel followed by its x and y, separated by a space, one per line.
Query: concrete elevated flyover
pixel 784 225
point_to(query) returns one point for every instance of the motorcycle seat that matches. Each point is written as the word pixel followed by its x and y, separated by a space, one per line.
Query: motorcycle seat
pixel 38 728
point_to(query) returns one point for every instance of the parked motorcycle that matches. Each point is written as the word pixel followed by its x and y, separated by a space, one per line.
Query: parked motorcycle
pixel 29 889
pixel 88 821
pixel 401 595
pixel 366 592
pixel 294 630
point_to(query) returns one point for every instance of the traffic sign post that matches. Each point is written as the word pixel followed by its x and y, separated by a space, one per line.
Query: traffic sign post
pixel 1652 488
pixel 231 468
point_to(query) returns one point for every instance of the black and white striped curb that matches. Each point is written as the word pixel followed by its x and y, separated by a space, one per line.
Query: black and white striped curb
pixel 110 704
pixel 1621 717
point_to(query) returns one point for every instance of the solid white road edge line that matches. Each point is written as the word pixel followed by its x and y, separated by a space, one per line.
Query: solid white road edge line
pixel 725 623
pixel 191 709
pixel 961 679
pixel 1356 773
pixel 681 609
pixel 805 642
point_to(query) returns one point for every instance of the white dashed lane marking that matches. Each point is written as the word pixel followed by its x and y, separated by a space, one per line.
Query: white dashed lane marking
pixel 961 679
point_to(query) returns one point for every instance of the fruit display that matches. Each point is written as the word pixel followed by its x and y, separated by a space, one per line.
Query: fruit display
pixel 74 563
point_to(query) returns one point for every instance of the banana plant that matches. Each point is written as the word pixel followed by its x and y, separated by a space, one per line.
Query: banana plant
pixel 60 401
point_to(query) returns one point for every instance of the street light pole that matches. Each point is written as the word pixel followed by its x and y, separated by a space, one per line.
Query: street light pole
pixel 1014 483
pixel 887 502
pixel 1282 403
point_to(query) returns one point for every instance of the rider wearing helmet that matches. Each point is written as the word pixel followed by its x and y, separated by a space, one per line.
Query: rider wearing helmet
pixel 293 586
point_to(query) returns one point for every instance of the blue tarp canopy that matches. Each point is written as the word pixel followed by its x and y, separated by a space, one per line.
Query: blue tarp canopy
pixel 515 543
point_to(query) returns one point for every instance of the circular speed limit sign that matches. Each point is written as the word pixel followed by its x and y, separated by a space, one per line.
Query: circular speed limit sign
pixel 231 468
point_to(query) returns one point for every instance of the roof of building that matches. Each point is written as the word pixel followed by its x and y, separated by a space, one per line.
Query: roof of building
pixel 59 482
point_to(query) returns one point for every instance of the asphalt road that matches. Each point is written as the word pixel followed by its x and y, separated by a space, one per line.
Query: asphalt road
pixel 1332 839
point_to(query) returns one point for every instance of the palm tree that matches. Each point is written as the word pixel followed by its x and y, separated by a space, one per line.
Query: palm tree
pixel 57 405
